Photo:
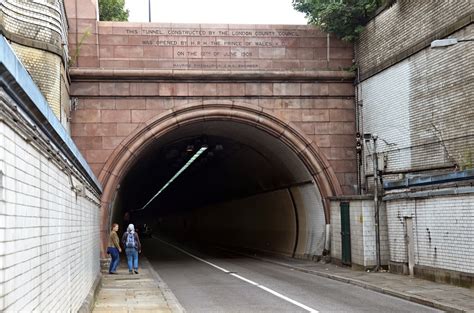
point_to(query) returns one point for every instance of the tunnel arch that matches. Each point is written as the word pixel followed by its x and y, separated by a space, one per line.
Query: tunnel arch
pixel 125 155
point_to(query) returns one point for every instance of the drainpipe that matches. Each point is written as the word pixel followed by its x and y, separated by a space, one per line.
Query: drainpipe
pixel 376 203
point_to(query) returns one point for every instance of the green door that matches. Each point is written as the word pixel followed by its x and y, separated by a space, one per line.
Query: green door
pixel 345 233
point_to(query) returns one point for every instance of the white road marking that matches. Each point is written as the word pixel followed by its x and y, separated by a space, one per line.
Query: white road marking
pixel 273 292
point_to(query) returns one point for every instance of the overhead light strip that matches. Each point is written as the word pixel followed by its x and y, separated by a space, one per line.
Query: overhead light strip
pixel 185 166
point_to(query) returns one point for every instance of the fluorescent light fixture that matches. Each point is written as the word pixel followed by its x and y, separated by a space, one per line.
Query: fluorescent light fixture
pixel 443 42
pixel 185 166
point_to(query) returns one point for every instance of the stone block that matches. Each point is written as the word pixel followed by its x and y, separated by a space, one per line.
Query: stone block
pixel 157 52
pixel 113 40
pixel 313 65
pixel 97 156
pixel 111 142
pixel 79 130
pixel 341 89
pixel 161 103
pixel 141 116
pixel 108 63
pixel 88 143
pixel 343 166
pixel 309 42
pixel 128 52
pixel 84 61
pixel 314 89
pixel 286 89
pixel 130 103
pixel 341 53
pixel 230 89
pixel 271 53
pixel 144 89
pixel 84 89
pixel 125 129
pixel 202 89
pixel 336 115
pixel 341 103
pixel 321 140
pixel 315 115
pixel 286 64
pixel 86 116
pixel 114 89
pixel 116 116
pixel 96 103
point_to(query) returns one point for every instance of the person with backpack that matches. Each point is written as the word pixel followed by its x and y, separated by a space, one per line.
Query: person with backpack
pixel 133 247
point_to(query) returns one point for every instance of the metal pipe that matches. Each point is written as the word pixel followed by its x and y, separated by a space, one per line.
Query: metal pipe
pixel 376 203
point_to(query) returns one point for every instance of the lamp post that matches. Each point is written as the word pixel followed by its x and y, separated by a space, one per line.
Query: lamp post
pixel 149 11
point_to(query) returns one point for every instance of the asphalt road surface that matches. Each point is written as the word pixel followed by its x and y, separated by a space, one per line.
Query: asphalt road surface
pixel 205 279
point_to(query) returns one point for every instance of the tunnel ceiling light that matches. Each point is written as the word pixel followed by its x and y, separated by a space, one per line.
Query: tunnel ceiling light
pixel 185 166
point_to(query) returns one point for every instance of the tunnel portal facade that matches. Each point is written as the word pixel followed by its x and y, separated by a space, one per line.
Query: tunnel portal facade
pixel 277 96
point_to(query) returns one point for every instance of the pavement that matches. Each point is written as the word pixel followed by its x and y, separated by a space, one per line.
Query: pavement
pixel 146 292
pixel 440 296
pixel 137 293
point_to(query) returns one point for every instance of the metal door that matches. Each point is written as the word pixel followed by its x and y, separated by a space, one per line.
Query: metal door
pixel 345 233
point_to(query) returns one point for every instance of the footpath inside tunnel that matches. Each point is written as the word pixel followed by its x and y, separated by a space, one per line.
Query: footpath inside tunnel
pixel 247 189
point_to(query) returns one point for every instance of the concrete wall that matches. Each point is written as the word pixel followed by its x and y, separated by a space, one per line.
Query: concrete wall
pixel 49 236
pixel 311 221
pixel 265 222
pixel 362 229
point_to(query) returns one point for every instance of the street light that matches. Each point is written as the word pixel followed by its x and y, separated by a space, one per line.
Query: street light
pixel 149 11
pixel 447 42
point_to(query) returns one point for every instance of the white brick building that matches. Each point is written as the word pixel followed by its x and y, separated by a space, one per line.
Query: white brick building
pixel 49 203
pixel 419 101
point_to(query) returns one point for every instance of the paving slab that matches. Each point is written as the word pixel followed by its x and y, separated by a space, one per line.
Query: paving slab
pixel 135 293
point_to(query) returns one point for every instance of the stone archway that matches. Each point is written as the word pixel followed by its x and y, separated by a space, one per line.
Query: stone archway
pixel 128 151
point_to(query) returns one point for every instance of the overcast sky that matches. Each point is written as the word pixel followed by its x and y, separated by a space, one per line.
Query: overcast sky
pixel 215 11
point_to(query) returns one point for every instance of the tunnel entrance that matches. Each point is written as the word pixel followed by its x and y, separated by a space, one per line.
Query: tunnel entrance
pixel 251 188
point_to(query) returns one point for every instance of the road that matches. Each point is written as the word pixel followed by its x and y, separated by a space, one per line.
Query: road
pixel 212 280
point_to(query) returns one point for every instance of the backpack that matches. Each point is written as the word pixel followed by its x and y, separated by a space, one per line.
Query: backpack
pixel 130 243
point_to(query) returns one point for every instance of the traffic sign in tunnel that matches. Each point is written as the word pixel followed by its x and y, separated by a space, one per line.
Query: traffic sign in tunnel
pixel 225 182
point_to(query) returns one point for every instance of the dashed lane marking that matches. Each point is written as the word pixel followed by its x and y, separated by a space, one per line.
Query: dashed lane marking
pixel 271 291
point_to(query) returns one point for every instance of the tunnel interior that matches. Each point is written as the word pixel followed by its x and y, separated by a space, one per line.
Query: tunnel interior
pixel 246 190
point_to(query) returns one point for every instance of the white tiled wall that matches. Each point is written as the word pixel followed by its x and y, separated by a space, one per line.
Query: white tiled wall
pixel 443 230
pixel 362 223
pixel 49 238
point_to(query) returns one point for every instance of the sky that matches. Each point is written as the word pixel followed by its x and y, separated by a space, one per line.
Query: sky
pixel 215 11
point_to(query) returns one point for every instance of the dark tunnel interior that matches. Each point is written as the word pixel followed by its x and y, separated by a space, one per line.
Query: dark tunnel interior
pixel 247 189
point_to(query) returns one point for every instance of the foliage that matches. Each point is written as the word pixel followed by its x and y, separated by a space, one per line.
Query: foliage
pixel 112 10
pixel 344 18
pixel 75 55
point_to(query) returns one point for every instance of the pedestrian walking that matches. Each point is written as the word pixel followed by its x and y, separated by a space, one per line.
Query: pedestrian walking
pixel 133 247
pixel 114 249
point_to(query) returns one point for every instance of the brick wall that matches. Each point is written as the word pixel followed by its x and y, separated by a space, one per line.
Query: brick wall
pixel 422 110
pixel 38 33
pixel 442 229
pixel 405 25
pixel 49 235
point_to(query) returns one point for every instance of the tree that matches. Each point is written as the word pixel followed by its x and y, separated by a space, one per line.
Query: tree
pixel 112 10
pixel 344 18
